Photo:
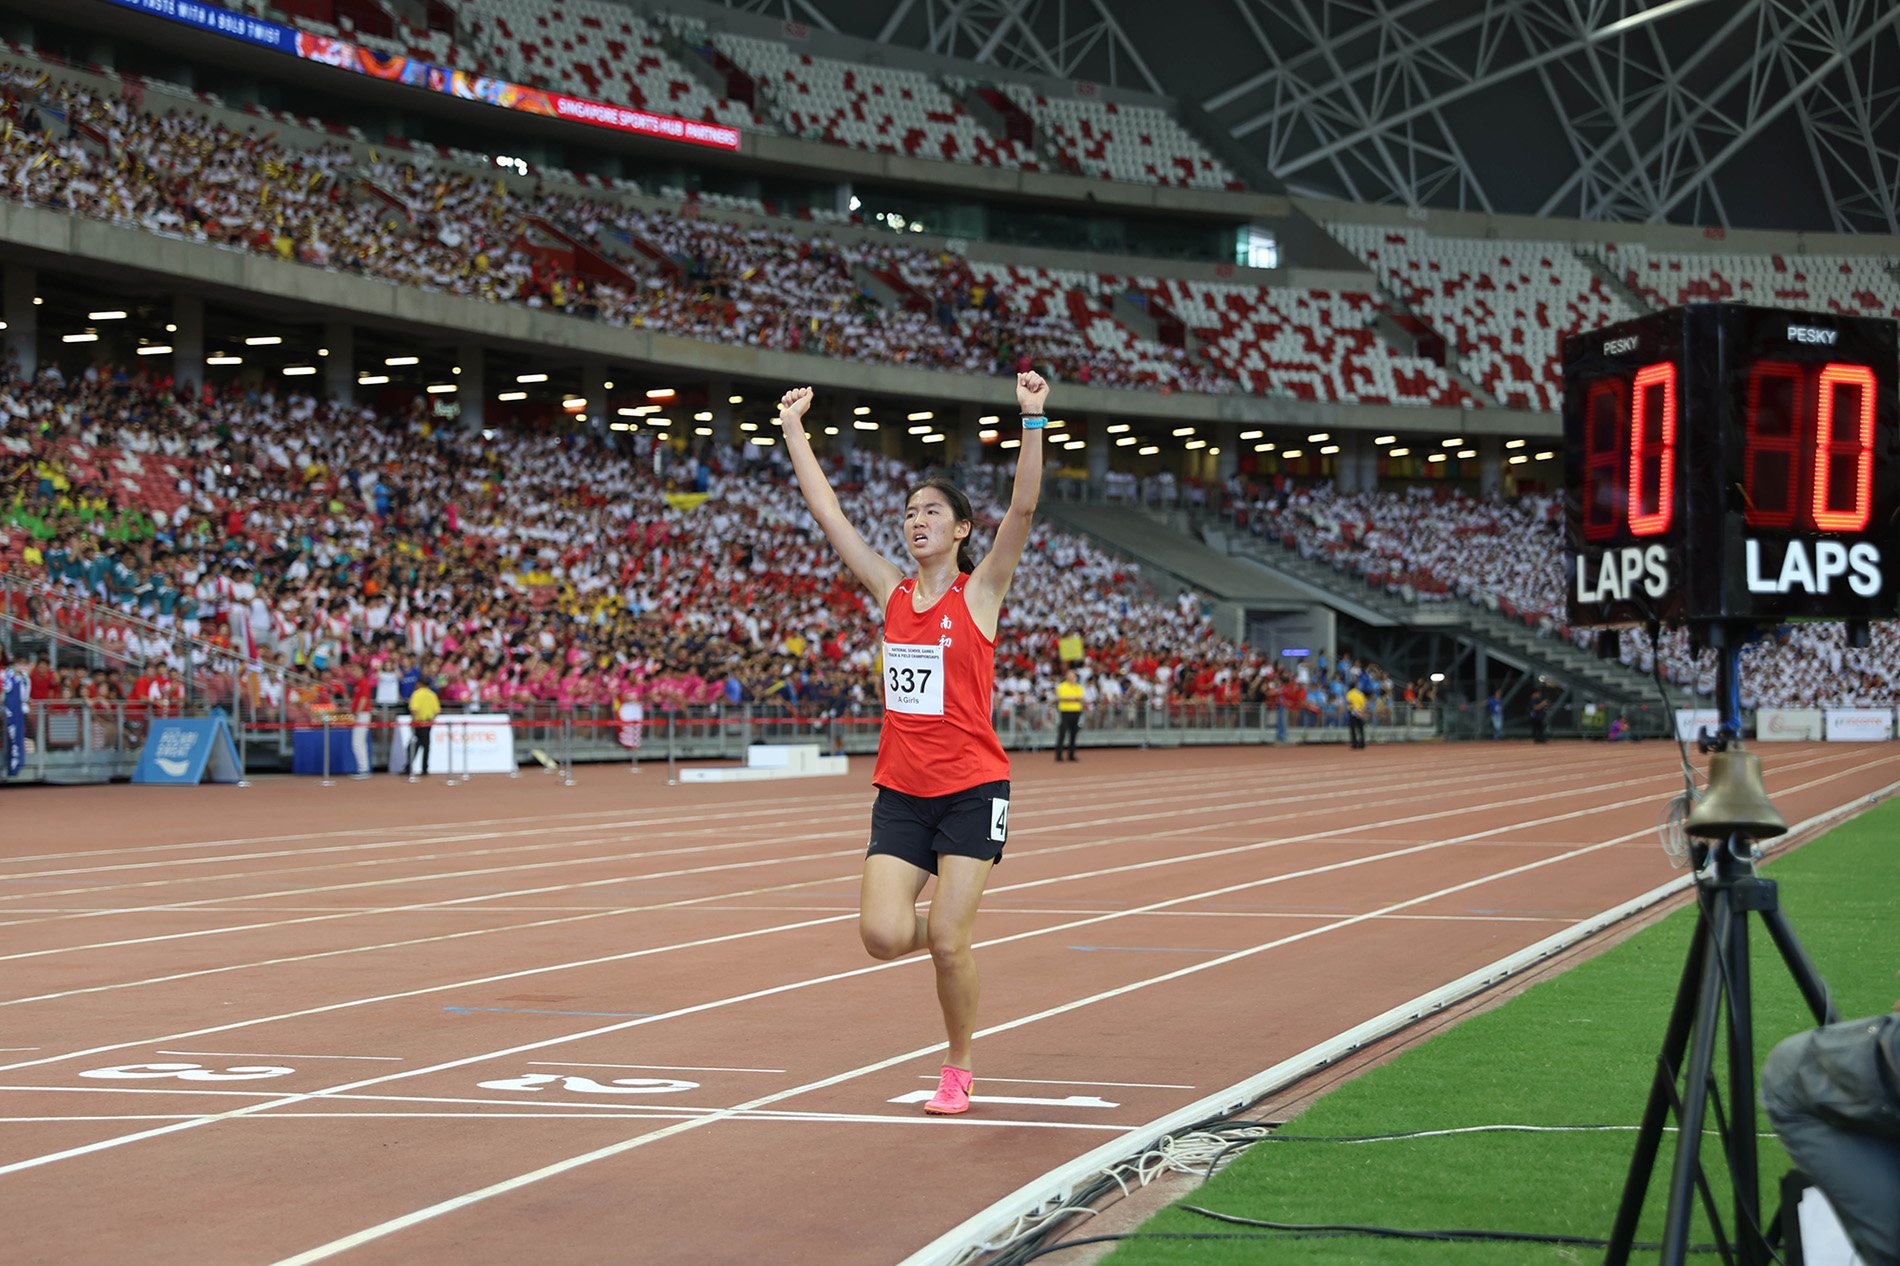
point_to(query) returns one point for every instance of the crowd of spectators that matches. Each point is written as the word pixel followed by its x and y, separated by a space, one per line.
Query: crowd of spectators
pixel 1431 545
pixel 410 222
pixel 319 544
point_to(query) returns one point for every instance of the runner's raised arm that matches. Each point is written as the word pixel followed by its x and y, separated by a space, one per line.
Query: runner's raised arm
pixel 874 571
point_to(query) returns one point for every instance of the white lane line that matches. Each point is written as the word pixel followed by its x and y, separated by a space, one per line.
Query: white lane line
pixel 668 1068
pixel 397 1059
pixel 1068 1081
pixel 809 923
pixel 790 1118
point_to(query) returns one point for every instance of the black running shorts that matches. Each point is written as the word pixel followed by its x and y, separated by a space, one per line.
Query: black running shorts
pixel 973 823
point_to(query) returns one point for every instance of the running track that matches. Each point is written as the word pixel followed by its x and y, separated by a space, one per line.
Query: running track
pixel 509 1021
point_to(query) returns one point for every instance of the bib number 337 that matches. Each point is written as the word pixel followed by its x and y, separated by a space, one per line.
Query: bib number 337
pixel 913 679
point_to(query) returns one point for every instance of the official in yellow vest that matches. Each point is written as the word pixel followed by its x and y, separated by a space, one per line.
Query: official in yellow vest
pixel 1068 713
pixel 424 706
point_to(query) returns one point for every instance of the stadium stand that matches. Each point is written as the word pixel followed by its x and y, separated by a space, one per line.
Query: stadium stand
pixel 1505 305
pixel 878 108
pixel 1135 143
pixel 1855 285
pixel 1306 343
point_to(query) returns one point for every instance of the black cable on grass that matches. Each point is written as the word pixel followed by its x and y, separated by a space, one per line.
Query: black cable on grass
pixel 1397 1233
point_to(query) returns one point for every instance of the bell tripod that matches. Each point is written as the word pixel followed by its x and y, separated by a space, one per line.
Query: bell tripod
pixel 1715 990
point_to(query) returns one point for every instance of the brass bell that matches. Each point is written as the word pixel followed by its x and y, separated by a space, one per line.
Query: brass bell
pixel 1736 803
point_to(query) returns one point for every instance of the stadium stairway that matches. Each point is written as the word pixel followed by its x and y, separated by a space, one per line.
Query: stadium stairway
pixel 1501 637
pixel 1593 260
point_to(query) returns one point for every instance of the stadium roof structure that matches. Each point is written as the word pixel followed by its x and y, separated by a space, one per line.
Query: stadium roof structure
pixel 1724 113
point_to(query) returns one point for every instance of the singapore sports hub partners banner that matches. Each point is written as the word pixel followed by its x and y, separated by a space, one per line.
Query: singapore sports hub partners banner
pixel 397 68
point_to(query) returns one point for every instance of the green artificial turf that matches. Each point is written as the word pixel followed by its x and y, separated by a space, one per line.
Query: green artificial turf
pixel 1579 1049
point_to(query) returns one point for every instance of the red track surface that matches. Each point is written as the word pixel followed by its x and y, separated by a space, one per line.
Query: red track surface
pixel 511 1021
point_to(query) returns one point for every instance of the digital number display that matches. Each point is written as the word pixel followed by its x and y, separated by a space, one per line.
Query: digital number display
pixel 1732 463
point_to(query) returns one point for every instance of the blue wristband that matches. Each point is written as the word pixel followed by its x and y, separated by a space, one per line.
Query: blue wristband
pixel 1034 422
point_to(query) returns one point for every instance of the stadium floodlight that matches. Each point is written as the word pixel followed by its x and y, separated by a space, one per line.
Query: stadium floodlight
pixel 619 426
pixel 1453 442
pixel 987 434
pixel 935 437
pixel 170 328
pixel 1148 450
pixel 748 426
pixel 704 430
pixel 113 315
pixel 862 409
pixel 704 415
pixel 735 399
pixel 324 351
pixel 1437 457
pixel 1183 430
pixel 1294 452
pixel 1122 428
pixel 263 340
pixel 1251 435
pixel 1399 452
pixel 155 349
pixel 1320 438
pixel 38 300
pixel 1126 440
pixel 1515 443
pixel 511 396
pixel 372 380
pixel 1010 444
pixel 1263 448
pixel 531 377
pixel 299 371
pixel 862 425
pixel 989 419
pixel 1329 450
pixel 1546 455
pixel 1467 452
pixel 922 429
pixel 764 441
pixel 1518 459
pixel 393 361
pixel 224 360
pixel 922 416
pixel 625 411
pixel 1056 424
pixel 660 422
pixel 88 337
pixel 1384 439
pixel 574 402
pixel 661 393
pixel 1194 444
pixel 441 388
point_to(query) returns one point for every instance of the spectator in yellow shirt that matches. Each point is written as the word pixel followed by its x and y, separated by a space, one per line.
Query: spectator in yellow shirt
pixel 1356 716
pixel 424 707
pixel 1068 712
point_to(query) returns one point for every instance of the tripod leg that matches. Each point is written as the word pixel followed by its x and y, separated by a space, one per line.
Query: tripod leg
pixel 1813 989
pixel 1661 1096
pixel 1695 1088
pixel 1741 1082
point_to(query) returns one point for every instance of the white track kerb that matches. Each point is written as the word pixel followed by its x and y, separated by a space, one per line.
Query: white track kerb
pixel 970 1239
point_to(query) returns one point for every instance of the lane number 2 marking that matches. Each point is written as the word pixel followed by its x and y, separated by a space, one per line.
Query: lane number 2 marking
pixel 188 1072
pixel 588 1086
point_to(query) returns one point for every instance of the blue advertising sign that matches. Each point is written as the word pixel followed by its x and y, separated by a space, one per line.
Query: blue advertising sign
pixel 209 17
pixel 184 752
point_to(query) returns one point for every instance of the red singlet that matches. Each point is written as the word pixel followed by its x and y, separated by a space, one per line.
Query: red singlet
pixel 939 670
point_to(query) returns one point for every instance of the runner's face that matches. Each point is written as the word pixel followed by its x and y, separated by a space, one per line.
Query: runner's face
pixel 931 526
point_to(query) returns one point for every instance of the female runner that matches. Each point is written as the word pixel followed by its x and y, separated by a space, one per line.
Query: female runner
pixel 943 780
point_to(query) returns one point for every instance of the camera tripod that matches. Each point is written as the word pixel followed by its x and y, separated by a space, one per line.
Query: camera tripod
pixel 1715 988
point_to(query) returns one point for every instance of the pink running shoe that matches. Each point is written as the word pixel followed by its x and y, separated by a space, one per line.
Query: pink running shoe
pixel 953 1093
